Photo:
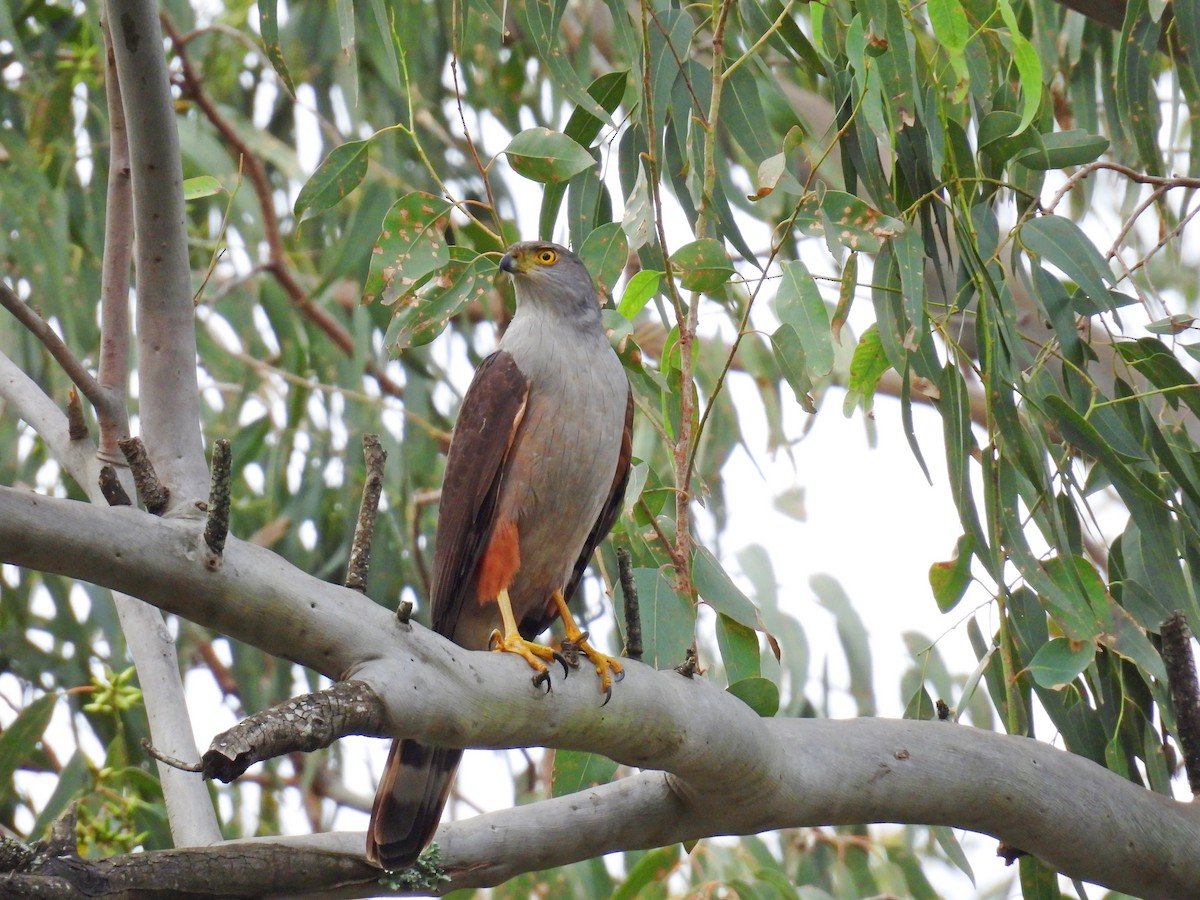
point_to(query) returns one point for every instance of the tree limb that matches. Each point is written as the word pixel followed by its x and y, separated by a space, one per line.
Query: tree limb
pixel 113 371
pixel 729 771
pixel 169 399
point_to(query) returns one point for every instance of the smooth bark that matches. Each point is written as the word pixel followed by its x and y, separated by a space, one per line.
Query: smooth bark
pixel 727 770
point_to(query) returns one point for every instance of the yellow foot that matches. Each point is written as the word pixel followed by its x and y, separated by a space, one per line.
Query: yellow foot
pixel 532 653
pixel 607 668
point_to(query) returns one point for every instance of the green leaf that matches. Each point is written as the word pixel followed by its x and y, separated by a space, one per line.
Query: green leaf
pixel 1172 324
pixel 668 618
pixel 1129 641
pixel 949 23
pixel 576 771
pixel 19 741
pixel 423 314
pixel 846 293
pixel 1060 661
pixel 75 778
pixel 1029 68
pixel 739 648
pixel 944 835
pixel 950 580
pixel 1038 881
pixel 1063 243
pixel 867 366
pixel 268 27
pixel 546 156
pixel 1136 83
pixel 1062 149
pixel 201 186
pixel 605 252
pixel 411 246
pixel 703 265
pixel 853 636
pixel 1080 604
pixel 582 128
pixel 638 291
pixel 789 355
pixel 854 223
pixel 920 706
pixel 338 174
pixel 798 303
pixel 717 589
pixel 1157 363
pixel 1083 434
pixel 760 694
pixel 654 867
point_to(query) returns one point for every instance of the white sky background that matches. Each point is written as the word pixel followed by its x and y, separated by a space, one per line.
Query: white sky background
pixel 872 521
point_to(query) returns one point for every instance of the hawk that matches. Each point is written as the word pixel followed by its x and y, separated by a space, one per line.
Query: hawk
pixel 535 478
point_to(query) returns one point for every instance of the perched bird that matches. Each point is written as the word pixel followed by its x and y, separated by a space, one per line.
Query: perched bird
pixel 534 480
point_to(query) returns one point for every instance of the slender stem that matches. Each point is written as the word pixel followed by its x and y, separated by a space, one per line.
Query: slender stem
pixel 40 329
pixel 113 372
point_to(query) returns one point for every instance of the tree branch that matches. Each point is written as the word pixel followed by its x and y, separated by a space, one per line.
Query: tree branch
pixel 113 373
pixel 40 329
pixel 169 396
pixel 730 772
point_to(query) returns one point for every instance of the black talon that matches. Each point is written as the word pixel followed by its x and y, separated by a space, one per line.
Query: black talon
pixel 563 660
pixel 618 675
pixel 607 696
pixel 542 677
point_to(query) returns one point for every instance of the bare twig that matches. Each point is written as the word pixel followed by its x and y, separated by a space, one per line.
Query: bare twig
pixel 171 760
pixel 216 529
pixel 629 595
pixel 1185 692
pixel 152 492
pixel 40 329
pixel 359 566
pixel 1083 172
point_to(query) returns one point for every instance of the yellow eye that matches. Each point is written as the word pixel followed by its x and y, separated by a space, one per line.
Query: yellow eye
pixel 547 257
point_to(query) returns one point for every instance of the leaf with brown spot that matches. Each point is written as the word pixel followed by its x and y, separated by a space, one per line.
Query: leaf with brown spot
pixel 412 245
pixel 423 313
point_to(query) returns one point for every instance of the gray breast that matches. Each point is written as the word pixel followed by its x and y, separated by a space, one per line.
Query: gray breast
pixel 569 446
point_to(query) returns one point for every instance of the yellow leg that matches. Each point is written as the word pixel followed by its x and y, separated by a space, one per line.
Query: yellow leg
pixel 577 639
pixel 510 641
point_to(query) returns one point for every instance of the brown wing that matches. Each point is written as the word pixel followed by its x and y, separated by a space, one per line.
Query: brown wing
pixel 487 423
pixel 531 627
pixel 417 780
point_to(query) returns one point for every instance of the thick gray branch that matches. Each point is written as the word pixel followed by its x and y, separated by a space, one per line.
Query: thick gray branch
pixel 730 771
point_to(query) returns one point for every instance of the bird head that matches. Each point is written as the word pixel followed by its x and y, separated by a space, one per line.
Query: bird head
pixel 549 276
